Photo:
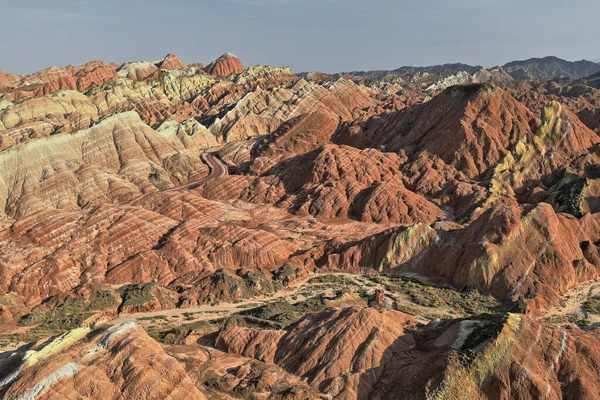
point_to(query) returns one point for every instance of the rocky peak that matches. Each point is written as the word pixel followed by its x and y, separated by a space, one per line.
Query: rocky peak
pixel 171 61
pixel 224 66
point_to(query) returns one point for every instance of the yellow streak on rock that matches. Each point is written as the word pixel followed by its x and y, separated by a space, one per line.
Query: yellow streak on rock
pixel 58 344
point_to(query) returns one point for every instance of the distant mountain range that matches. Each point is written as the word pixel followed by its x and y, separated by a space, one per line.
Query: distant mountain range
pixel 550 67
pixel 533 68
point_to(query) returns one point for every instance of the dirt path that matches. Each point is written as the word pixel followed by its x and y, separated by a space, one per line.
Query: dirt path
pixel 301 291
pixel 209 312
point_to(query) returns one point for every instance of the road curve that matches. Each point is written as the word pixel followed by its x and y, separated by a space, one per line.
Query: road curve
pixel 216 167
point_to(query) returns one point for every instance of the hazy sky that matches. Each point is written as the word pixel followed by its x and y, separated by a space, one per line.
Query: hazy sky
pixel 325 35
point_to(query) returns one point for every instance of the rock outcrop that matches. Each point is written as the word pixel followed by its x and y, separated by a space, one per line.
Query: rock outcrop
pixel 262 111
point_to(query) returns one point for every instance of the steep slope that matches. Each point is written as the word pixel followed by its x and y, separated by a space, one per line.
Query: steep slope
pixel 92 75
pixel 340 352
pixel 529 254
pixel 137 70
pixel 298 135
pixel 65 111
pixel 199 251
pixel 180 243
pixel 470 127
pixel 82 78
pixel 44 76
pixel 561 143
pixel 527 360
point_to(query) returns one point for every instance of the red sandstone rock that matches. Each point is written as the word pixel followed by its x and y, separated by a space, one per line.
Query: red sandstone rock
pixel 4 81
pixel 86 78
pixel 47 75
pixel 299 135
pixel 171 61
pixel 470 128
pixel 333 356
pixel 332 182
pixel 63 83
pixel 360 353
pixel 224 66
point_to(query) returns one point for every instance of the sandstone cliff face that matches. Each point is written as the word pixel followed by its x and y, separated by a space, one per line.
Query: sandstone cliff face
pixel 507 251
pixel 298 135
pixel 562 143
pixel 94 75
pixel 527 360
pixel 535 271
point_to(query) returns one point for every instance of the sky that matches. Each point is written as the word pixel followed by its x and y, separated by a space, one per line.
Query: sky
pixel 307 35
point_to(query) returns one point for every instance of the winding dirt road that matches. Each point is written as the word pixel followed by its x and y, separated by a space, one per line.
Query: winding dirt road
pixel 217 170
